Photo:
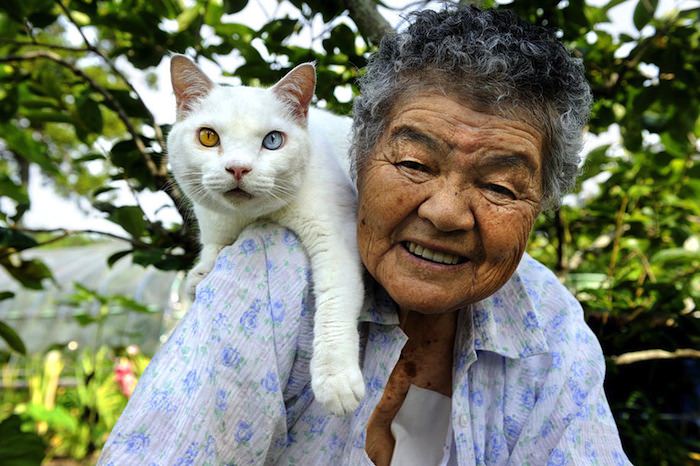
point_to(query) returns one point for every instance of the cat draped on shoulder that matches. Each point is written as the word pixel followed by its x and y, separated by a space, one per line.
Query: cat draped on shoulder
pixel 241 154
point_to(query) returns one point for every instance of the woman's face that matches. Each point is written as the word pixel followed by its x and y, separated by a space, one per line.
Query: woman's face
pixel 446 203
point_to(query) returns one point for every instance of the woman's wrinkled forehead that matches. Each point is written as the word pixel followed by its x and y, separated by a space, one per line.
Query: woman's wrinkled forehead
pixel 464 90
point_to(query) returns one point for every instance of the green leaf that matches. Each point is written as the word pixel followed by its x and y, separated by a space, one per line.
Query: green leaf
pixel 644 12
pixel 14 191
pixel 89 114
pixel 85 319
pixel 132 305
pixel 187 17
pixel 23 144
pixel 234 6
pixel 103 189
pixel 674 255
pixel 278 30
pixel 58 419
pixel 12 339
pixel 134 107
pixel 6 295
pixel 30 273
pixel 111 260
pixel 11 238
pixel 18 448
pixel 130 218
pixel 8 103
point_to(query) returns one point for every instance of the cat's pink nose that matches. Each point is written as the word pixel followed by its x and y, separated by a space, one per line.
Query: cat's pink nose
pixel 237 171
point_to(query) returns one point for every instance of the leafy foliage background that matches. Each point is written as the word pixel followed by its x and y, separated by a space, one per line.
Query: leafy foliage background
pixel 629 249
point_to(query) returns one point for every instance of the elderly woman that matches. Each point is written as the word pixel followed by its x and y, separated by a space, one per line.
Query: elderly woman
pixel 469 124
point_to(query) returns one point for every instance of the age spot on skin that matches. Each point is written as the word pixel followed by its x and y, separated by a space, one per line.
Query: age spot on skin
pixel 410 368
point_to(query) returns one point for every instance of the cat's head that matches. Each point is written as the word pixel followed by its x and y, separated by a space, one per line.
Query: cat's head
pixel 240 149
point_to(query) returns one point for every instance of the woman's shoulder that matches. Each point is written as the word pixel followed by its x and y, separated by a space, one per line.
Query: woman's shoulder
pixel 559 313
pixel 269 239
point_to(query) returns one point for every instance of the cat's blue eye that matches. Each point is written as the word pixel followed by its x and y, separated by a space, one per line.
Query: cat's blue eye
pixel 273 140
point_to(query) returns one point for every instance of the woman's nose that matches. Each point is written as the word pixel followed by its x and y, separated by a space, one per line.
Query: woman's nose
pixel 448 210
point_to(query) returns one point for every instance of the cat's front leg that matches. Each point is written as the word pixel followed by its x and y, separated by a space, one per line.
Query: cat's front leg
pixel 336 378
pixel 207 259
pixel 216 231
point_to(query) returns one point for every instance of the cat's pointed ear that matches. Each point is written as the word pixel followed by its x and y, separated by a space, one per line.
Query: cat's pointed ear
pixel 296 89
pixel 190 84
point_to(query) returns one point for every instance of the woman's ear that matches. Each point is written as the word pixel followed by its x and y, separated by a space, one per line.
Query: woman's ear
pixel 296 89
pixel 190 84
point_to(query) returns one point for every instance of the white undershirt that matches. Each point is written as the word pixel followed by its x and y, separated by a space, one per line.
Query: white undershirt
pixel 422 430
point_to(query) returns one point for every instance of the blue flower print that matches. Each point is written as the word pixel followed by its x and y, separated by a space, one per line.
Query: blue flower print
pixel 221 402
pixel 480 317
pixel 230 357
pixel 590 452
pixel 136 442
pixel 249 319
pixel 289 238
pixel 277 312
pixel 191 382
pixel 248 246
pixel 556 360
pixel 512 427
pixel 270 382
pixel 476 397
pixel 359 441
pixel 546 428
pixel 244 432
pixel 530 321
pixel 190 455
pixel 557 458
pixel 317 423
pixel 495 446
pixel 205 296
pixel 528 398
pixel 220 319
pixel 161 400
pixel 374 384
pixel 577 392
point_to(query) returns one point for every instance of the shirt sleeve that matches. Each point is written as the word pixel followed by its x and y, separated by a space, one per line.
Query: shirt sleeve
pixel 215 392
pixel 571 422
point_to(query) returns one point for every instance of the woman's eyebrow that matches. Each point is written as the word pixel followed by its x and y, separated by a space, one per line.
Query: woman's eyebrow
pixel 405 132
pixel 516 160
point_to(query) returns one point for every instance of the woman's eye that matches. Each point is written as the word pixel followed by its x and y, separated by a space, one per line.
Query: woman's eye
pixel 273 140
pixel 497 188
pixel 208 137
pixel 412 165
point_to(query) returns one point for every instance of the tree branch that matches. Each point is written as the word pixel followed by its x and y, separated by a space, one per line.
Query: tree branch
pixel 34 43
pixel 68 232
pixel 371 24
pixel 162 170
pixel 43 243
pixel 43 54
pixel 654 354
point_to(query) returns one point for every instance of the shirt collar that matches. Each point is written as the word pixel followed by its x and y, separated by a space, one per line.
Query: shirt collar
pixel 378 307
pixel 507 322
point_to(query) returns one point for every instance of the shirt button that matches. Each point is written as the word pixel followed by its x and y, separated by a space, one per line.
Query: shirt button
pixel 463 420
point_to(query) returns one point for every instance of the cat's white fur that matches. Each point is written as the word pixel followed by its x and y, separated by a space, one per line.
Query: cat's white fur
pixel 304 185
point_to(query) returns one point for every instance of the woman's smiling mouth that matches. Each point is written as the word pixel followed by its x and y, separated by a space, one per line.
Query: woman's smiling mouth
pixel 432 255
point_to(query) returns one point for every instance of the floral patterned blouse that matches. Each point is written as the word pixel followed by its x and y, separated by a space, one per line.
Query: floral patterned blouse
pixel 231 385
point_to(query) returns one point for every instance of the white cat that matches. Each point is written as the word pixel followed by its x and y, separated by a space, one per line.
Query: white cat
pixel 243 153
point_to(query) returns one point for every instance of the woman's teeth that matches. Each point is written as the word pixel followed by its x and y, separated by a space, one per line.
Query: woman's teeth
pixel 431 255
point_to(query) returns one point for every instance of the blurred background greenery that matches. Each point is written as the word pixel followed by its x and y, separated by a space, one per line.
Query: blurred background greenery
pixel 83 117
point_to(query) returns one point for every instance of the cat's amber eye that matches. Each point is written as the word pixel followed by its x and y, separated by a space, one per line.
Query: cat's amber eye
pixel 208 137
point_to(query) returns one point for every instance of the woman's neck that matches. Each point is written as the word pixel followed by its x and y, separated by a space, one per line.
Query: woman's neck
pixel 435 328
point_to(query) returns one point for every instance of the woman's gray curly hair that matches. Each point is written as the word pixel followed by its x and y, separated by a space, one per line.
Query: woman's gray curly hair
pixel 498 64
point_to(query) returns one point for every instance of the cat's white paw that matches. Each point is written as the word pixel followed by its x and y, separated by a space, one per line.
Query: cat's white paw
pixel 195 276
pixel 340 391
